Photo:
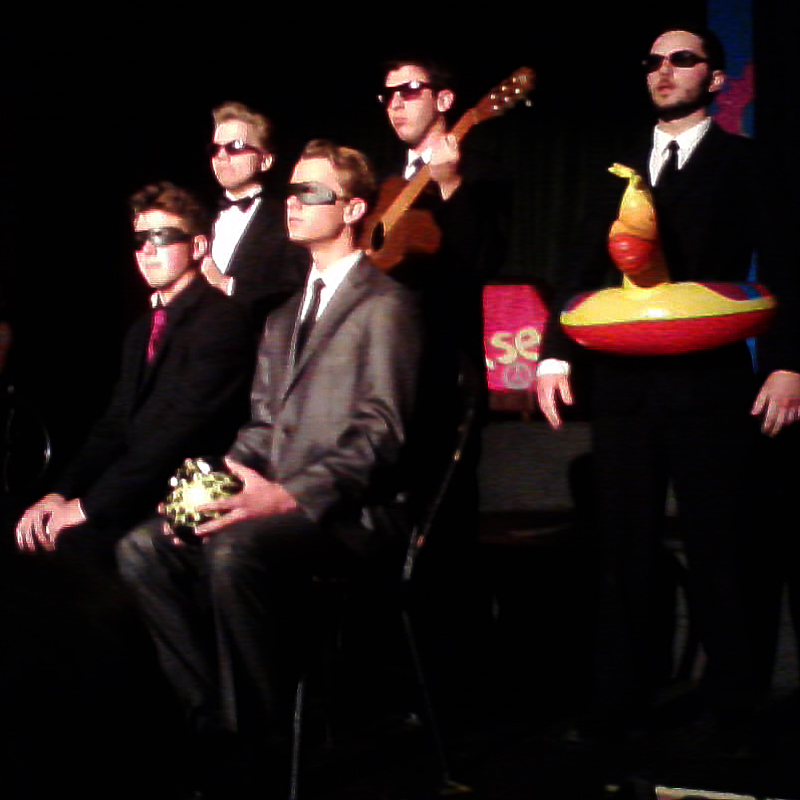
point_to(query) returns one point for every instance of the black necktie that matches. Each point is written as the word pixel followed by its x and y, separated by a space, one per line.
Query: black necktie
pixel 670 169
pixel 307 323
pixel 243 203
pixel 414 167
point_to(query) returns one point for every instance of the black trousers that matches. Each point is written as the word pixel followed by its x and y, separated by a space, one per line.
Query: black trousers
pixel 229 617
pixel 706 455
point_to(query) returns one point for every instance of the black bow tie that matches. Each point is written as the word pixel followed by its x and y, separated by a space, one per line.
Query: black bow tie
pixel 243 204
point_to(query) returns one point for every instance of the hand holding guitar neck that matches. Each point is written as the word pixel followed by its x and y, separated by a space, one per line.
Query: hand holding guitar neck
pixel 394 228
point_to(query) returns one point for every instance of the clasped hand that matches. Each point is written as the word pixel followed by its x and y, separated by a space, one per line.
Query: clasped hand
pixel 42 523
pixel 258 499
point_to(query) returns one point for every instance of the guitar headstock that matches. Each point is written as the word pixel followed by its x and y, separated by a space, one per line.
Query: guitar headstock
pixel 511 91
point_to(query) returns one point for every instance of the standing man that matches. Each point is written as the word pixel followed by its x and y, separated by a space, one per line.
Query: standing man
pixel 470 204
pixel 182 388
pixel 251 258
pixel 320 457
pixel 683 418
pixel 468 200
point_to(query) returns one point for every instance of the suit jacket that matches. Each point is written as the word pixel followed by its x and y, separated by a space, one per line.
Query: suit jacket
pixel 474 223
pixel 266 267
pixel 188 401
pixel 712 220
pixel 331 428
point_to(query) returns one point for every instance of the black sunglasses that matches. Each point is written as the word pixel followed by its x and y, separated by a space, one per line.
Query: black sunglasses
pixel 408 91
pixel 312 193
pixel 160 236
pixel 234 148
pixel 682 59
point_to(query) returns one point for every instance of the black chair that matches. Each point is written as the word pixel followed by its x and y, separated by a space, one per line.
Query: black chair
pixel 420 534
pixel 24 443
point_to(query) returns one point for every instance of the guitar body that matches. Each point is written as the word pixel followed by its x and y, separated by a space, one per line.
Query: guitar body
pixel 415 231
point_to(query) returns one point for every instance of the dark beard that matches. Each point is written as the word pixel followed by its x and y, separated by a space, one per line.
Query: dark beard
pixel 681 110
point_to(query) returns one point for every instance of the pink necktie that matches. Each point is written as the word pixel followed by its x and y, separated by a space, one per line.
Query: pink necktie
pixel 157 324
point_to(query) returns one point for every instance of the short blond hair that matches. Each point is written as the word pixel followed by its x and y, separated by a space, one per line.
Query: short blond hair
pixel 261 126
pixel 353 169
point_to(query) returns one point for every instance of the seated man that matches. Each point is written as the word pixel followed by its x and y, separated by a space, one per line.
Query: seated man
pixel 182 388
pixel 319 459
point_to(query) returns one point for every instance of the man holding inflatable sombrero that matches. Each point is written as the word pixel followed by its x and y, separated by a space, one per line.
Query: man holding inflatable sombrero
pixel 684 419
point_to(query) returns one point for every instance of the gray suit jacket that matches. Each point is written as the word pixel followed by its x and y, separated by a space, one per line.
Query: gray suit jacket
pixel 331 428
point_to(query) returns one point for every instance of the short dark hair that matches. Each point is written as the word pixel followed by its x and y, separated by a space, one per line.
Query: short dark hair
pixel 262 127
pixel 171 199
pixel 353 168
pixel 438 74
pixel 712 46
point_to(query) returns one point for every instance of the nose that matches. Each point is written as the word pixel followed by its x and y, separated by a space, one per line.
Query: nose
pixel 149 248
pixel 665 67
pixel 292 202
pixel 395 101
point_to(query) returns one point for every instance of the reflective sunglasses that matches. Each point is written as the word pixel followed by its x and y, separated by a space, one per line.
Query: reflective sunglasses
pixel 235 148
pixel 312 193
pixel 408 91
pixel 160 237
pixel 682 59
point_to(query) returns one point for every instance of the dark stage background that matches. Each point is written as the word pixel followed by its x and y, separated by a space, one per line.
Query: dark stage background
pixel 97 105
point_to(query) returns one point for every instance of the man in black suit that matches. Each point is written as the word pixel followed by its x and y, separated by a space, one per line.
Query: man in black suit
pixel 684 418
pixel 182 388
pixel 468 199
pixel 319 460
pixel 251 258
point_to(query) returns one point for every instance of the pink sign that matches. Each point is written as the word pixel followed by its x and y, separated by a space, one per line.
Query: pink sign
pixel 514 319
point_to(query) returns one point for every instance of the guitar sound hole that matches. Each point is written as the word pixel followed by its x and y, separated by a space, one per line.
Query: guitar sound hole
pixel 378 237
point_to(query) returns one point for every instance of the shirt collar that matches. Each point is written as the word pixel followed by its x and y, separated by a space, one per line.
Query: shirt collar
pixel 335 273
pixel 687 140
pixel 249 193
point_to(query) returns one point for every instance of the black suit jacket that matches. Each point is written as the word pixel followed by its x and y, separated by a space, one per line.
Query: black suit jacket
pixel 474 223
pixel 715 216
pixel 331 428
pixel 188 401
pixel 266 267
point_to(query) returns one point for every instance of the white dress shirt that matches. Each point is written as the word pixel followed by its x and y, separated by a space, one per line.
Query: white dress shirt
pixel 229 228
pixel 332 277
pixel 687 141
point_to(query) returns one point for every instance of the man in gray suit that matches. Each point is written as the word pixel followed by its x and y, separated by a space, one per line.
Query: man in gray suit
pixel 319 462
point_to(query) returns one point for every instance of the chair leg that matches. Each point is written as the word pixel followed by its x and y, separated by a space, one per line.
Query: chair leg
pixel 448 785
pixel 297 729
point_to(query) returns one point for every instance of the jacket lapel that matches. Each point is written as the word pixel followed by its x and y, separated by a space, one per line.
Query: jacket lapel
pixel 176 315
pixel 348 295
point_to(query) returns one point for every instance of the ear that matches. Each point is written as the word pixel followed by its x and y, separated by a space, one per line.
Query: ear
pixel 718 80
pixel 444 100
pixel 199 247
pixel 354 210
pixel 266 161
